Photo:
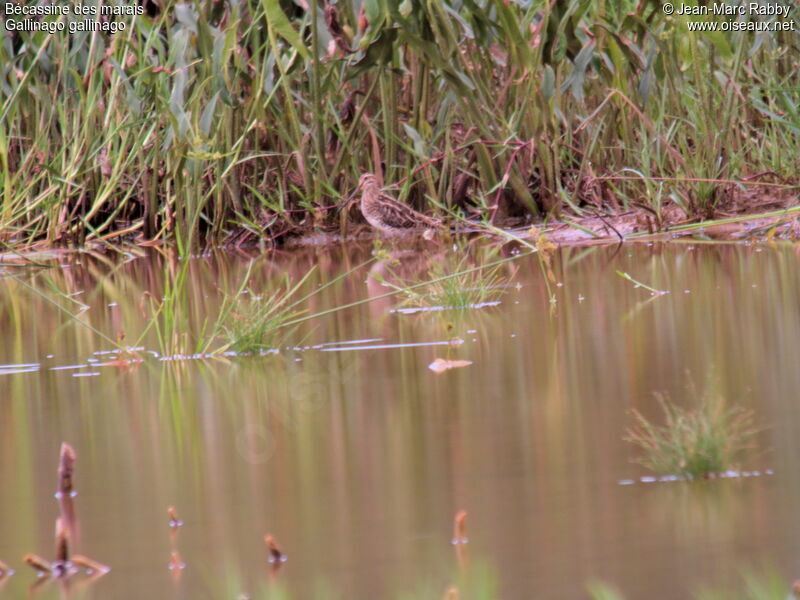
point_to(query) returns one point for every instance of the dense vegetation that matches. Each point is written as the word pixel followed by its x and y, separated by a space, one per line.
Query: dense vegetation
pixel 232 119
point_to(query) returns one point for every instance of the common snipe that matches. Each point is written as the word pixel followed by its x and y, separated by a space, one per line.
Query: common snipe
pixel 388 215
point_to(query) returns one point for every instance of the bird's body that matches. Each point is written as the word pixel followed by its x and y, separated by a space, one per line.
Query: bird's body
pixel 386 214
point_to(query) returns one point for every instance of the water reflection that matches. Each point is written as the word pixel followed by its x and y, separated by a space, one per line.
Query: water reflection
pixel 346 448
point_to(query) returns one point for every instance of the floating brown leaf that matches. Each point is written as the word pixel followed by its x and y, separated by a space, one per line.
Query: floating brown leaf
pixel 440 365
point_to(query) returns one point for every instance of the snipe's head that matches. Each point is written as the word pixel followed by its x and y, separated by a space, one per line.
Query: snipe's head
pixel 367 181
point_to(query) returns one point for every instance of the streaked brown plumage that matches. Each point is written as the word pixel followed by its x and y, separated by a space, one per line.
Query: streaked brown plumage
pixel 386 214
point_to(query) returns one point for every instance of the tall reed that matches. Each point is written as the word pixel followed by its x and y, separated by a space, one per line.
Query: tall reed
pixel 213 119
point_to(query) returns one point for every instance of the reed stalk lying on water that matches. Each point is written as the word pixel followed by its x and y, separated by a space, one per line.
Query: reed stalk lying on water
pixel 39 564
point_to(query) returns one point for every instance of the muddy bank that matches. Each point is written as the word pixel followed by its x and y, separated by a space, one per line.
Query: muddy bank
pixel 758 215
pixel 638 224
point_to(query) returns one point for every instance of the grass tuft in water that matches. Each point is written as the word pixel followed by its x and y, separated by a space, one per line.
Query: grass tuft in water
pixel 253 326
pixel 260 323
pixel 460 287
pixel 466 289
pixel 694 442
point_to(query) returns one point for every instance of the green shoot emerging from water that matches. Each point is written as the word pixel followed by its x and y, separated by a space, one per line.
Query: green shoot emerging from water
pixel 695 443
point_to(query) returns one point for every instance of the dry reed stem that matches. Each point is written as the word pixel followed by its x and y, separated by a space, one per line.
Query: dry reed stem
pixel 275 554
pixel 175 561
pixel 174 521
pixel 460 528
pixel 66 469
pixel 62 541
pixel 67 507
pixel 648 123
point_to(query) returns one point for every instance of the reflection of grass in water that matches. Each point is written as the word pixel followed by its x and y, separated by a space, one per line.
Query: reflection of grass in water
pixel 261 323
pixel 479 582
pixel 257 327
pixel 178 322
pixel 459 287
pixel 695 442
pixel 602 591
pixel 254 326
pixel 756 587
pixel 169 317
pixel 466 288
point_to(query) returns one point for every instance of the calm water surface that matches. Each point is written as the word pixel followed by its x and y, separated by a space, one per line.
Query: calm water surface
pixel 356 456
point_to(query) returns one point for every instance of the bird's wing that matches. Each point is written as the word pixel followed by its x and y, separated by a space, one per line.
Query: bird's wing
pixel 401 215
